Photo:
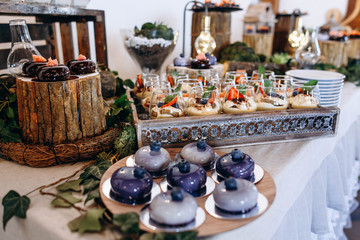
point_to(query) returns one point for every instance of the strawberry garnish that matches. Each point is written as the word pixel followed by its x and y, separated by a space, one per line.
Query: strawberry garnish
pixel 170 79
pixel 262 92
pixel 201 79
pixel 38 59
pixel 234 94
pixel 139 80
pixel 212 99
pixel 201 56
pixel 170 103
pixel 52 62
pixel 81 58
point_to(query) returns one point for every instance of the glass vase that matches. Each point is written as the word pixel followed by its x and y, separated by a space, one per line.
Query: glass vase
pixel 309 51
pixel 22 48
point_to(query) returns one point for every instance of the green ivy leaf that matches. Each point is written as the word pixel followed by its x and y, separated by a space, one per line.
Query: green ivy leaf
pixel 88 222
pixel 103 166
pixel 73 185
pixel 90 184
pixel 190 235
pixel 58 202
pixel 10 112
pixel 2 124
pixel 91 171
pixel 116 73
pixel 129 83
pixel 14 205
pixel 12 98
pixel 92 195
pixel 91 221
pixel 128 222
pixel 9 136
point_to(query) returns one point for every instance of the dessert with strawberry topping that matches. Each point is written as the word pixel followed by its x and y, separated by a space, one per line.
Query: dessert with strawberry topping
pixel 81 65
pixel 30 68
pixel 169 106
pixel 52 71
pixel 203 102
pixel 272 98
pixel 200 62
pixel 239 99
pixel 303 97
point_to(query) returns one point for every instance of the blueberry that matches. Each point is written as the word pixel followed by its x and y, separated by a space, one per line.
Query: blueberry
pixel 160 104
pixel 207 55
pixel 201 144
pixel 203 101
pixel 231 184
pixel 182 55
pixel 237 155
pixel 281 97
pixel 155 146
pixel 177 194
pixel 176 105
pixel 273 94
pixel 296 92
pixel 184 166
pixel 139 172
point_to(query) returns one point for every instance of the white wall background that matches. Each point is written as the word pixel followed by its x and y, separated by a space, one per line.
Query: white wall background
pixel 127 14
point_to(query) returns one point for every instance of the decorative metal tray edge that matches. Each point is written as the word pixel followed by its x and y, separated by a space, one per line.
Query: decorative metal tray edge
pixel 226 130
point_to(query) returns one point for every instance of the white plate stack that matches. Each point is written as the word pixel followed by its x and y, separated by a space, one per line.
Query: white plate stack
pixel 330 84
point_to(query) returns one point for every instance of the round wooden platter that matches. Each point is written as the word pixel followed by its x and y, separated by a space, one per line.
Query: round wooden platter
pixel 211 225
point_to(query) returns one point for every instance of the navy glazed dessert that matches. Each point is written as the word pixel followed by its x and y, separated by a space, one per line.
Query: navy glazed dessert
pixel 81 65
pixel 174 208
pixel 30 68
pixel 236 164
pixel 131 185
pixel 188 176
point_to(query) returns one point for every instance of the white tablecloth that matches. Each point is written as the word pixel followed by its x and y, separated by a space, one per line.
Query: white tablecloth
pixel 316 182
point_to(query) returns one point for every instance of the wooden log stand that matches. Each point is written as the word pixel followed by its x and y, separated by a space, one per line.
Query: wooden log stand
pixel 261 43
pixel 64 111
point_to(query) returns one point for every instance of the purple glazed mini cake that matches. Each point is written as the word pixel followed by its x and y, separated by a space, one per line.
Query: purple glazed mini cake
pixel 174 208
pixel 188 176
pixel 153 158
pixel 131 185
pixel 235 196
pixel 236 164
pixel 182 61
pixel 199 153
pixel 81 65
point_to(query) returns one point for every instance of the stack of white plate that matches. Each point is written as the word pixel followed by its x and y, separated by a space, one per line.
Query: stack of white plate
pixel 330 84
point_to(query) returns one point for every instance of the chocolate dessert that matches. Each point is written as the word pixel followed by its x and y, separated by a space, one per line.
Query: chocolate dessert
pixel 52 71
pixel 236 164
pixel 30 68
pixel 81 65
pixel 131 185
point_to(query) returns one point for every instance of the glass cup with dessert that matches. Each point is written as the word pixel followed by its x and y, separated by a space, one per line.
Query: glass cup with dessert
pixel 174 76
pixel 206 76
pixel 238 76
pixel 166 104
pixel 141 79
pixel 203 102
pixel 149 88
pixel 282 80
pixel 186 84
pixel 304 95
pixel 239 99
pixel 272 98
pixel 262 75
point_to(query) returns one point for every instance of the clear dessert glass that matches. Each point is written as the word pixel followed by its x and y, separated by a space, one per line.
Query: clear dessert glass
pixel 186 84
pixel 271 98
pixel 174 76
pixel 166 104
pixel 282 80
pixel 239 99
pixel 203 102
pixel 150 87
pixel 256 75
pixel 214 82
pixel 300 96
pixel 237 76
pixel 206 76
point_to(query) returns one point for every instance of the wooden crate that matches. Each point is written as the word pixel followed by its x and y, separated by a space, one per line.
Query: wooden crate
pixel 225 130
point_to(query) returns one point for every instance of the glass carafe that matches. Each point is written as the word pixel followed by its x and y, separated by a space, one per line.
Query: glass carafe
pixel 309 51
pixel 22 47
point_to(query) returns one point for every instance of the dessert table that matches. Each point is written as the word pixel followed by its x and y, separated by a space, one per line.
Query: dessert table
pixel 316 183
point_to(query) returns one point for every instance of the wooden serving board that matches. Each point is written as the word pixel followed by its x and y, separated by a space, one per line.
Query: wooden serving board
pixel 211 225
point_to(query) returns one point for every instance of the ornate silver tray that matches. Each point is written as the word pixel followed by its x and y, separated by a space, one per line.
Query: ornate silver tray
pixel 227 130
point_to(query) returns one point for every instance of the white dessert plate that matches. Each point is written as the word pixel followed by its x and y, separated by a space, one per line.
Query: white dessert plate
pixel 331 83
pixel 145 219
pixel 106 187
pixel 258 172
pixel 315 74
pixel 210 186
pixel 210 207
